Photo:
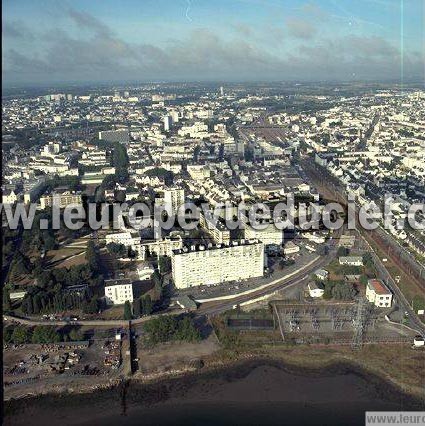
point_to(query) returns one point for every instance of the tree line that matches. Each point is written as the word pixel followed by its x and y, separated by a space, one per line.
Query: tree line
pixel 171 328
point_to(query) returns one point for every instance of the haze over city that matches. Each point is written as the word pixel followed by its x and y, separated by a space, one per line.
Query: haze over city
pixel 199 40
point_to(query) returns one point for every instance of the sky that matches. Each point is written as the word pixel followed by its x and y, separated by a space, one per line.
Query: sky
pixel 50 41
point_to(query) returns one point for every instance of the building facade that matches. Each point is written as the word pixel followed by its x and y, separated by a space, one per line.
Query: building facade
pixel 117 292
pixel 217 264
pixel 128 239
pixel 164 246
pixel 173 199
pixel 269 235
pixel 217 231
pixel 61 199
pixel 378 293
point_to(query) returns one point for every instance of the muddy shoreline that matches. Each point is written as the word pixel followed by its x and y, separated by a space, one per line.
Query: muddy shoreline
pixel 133 394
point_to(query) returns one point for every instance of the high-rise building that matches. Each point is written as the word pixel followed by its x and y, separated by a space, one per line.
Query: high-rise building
pixel 167 123
pixel 217 231
pixel 174 116
pixel 221 91
pixel 173 199
pixel 216 264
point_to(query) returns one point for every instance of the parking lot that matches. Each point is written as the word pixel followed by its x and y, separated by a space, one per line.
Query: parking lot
pixel 301 259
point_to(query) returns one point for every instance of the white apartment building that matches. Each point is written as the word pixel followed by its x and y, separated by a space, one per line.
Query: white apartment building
pixel 61 198
pixel 164 246
pixel 198 172
pixel 217 264
pixel 167 122
pixel 197 130
pixel 269 235
pixel 173 199
pixel 378 294
pixel 117 292
pixel 217 231
pixel 94 158
pixel 128 239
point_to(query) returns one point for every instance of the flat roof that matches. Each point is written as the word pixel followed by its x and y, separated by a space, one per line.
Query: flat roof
pixel 118 281
pixel 210 247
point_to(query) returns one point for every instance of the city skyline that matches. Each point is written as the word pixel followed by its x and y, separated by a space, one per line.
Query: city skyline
pixel 200 41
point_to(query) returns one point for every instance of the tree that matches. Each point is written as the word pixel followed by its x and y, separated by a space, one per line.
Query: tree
pixel 342 251
pixel 119 250
pixel 21 335
pixel 343 291
pixel 146 305
pixel 92 307
pixel 137 308
pixel 156 277
pixel 7 305
pixel 45 334
pixel 418 303
pixel 161 329
pixel 164 264
pixel 368 260
pixel 169 327
pixel 26 306
pixel 127 311
pixel 20 265
pixel 75 335
pixel 364 279
pixel 322 250
pixel 91 256
pixel 7 335
pixel 328 290
pixel 187 331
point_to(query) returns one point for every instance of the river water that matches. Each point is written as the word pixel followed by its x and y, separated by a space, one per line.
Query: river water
pixel 259 393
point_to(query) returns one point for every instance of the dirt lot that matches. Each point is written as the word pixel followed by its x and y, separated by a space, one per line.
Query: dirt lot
pixel 164 357
pixel 112 313
pixel 24 373
pixel 65 257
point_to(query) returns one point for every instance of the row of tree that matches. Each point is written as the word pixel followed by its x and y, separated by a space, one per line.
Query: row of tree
pixel 40 334
pixel 169 327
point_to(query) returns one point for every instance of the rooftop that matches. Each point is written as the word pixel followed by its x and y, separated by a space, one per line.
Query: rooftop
pixel 378 286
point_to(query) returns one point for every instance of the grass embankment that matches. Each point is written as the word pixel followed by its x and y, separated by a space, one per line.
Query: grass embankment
pixel 398 364
pixel 407 285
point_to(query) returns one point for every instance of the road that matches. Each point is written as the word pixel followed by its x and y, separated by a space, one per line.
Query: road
pixel 215 308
